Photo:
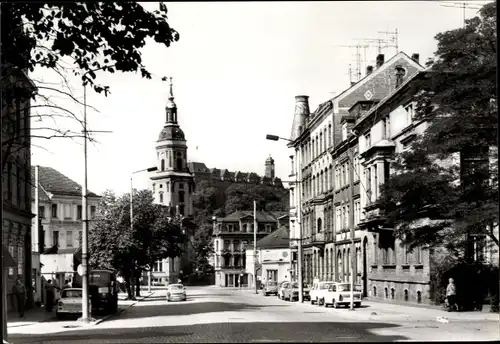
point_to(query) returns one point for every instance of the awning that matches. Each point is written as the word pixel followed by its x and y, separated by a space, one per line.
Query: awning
pixel 7 259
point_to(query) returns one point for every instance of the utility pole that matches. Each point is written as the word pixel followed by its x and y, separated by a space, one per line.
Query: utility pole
pixel 255 244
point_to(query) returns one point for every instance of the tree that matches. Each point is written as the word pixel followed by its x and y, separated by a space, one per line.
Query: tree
pixel 113 244
pixel 81 38
pixel 445 189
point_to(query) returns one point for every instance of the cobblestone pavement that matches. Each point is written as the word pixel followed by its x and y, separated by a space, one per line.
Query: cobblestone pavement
pixel 214 314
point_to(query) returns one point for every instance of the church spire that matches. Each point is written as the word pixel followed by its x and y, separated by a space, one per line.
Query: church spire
pixel 171 108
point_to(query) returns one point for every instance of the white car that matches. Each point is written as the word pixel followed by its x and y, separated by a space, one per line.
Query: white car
pixel 319 290
pixel 281 289
pixel 176 292
pixel 70 302
pixel 339 294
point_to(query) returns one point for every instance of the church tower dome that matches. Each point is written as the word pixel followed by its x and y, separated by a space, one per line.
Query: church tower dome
pixel 173 183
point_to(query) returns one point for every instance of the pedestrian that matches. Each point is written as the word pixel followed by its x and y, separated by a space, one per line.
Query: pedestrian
pixel 20 292
pixel 451 295
pixel 50 294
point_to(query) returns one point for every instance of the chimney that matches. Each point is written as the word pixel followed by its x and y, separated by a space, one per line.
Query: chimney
pixel 300 115
pixel 416 57
pixel 353 83
pixel 400 72
pixel 369 70
pixel 380 60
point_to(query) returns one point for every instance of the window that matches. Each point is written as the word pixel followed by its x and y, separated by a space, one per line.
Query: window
pixel 236 245
pixel 79 210
pixel 161 197
pixel 179 163
pixel 409 113
pixel 268 228
pixel 338 220
pixel 181 209
pixel 344 131
pixel 41 212
pixel 406 295
pixel 20 260
pixel 67 211
pixel 227 245
pixel 393 293
pixel 92 210
pixel 368 140
pixel 181 196
pixel 347 213
pixel 387 128
pixel 376 186
pixel 347 173
pixel 418 255
pixel 154 187
pixel 357 211
pixel 55 238
pixel 405 254
pixel 355 176
pixel 54 210
pixel 329 135
pixel 342 175
pixel 344 218
pixel 69 239
pixel 162 165
pixel 181 186
pixel 320 143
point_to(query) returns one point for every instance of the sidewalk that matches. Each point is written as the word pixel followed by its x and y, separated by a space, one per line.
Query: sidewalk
pixel 32 316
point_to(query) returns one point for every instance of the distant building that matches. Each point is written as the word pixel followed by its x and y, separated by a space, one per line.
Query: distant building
pixel 225 177
pixel 232 235
pixel 173 185
pixel 274 257
pixel 60 223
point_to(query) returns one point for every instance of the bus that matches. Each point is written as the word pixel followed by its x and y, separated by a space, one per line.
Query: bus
pixel 103 291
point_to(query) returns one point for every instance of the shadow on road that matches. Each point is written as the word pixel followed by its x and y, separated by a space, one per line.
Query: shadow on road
pixel 225 333
pixel 183 308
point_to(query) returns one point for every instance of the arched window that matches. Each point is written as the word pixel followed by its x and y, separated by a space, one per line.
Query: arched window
pixel 319 225
pixel 386 293
pixel 329 135
pixel 406 294
pixel 419 296
pixel 393 293
pixel 374 291
pixel 161 197
pixel 162 164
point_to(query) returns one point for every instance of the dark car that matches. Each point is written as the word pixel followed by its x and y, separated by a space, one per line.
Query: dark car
pixel 291 292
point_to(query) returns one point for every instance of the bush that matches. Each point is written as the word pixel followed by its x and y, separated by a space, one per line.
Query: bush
pixel 495 304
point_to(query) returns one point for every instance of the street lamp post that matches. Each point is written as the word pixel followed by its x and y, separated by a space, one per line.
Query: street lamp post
pixel 299 216
pixel 352 218
pixel 86 310
pixel 255 244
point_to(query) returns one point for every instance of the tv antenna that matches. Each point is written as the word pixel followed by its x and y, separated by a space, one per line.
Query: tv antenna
pixel 356 71
pixel 393 38
pixel 460 4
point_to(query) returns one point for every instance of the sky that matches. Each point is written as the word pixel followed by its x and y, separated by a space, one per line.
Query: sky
pixel 236 69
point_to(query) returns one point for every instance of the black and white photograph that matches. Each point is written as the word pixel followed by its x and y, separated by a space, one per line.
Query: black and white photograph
pixel 249 172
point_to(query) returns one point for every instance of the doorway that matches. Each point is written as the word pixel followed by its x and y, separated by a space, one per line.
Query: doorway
pixel 365 268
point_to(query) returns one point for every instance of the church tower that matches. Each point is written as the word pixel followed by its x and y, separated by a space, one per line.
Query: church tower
pixel 172 182
pixel 269 173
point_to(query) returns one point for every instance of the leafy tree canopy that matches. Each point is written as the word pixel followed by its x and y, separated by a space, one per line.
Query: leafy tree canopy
pixel 94 36
pixel 446 186
pixel 113 244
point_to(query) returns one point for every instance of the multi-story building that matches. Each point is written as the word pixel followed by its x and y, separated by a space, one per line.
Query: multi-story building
pixel 173 185
pixel 232 235
pixel 17 91
pixel 274 257
pixel 325 152
pixel 59 223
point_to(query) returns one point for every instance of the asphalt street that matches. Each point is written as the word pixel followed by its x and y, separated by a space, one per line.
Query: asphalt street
pixel 215 315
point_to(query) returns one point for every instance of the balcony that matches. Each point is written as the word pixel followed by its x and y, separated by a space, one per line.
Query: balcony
pixel 375 220
pixel 318 239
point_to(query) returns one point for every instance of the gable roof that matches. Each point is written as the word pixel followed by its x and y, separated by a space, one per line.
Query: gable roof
pixel 280 238
pixel 54 182
pixel 262 216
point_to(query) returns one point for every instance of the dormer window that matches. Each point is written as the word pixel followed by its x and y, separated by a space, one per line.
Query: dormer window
pixel 344 131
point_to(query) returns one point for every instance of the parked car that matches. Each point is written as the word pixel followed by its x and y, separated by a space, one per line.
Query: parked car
pixel 281 289
pixel 318 290
pixel 271 287
pixel 70 303
pixel 176 292
pixel 339 294
pixel 291 292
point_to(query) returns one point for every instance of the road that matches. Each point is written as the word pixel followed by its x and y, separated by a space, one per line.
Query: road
pixel 213 314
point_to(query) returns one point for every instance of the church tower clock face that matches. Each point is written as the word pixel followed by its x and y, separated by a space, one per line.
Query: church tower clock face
pixel 174 183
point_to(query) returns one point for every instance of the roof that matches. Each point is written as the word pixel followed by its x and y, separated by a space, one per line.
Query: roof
pixel 280 238
pixel 56 183
pixel 262 216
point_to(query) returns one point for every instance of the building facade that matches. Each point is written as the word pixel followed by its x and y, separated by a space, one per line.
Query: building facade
pixel 329 167
pixel 231 237
pixel 58 228
pixel 16 181
pixel 274 257
pixel 172 185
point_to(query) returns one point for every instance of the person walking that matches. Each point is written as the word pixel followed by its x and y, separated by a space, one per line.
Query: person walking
pixel 50 294
pixel 451 295
pixel 20 292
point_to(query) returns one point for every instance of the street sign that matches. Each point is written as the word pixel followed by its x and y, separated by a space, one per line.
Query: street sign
pixel 79 269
